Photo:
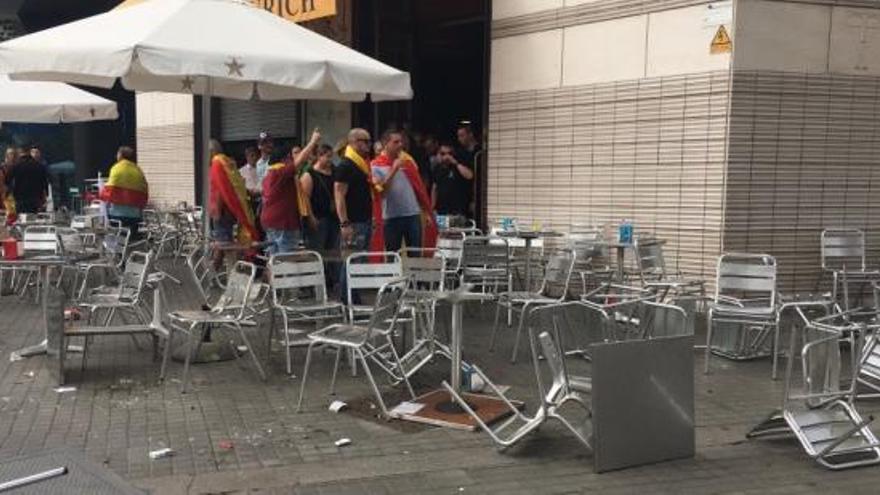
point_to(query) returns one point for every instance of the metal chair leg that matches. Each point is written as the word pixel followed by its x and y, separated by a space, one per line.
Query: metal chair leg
pixel 302 385
pixel 335 370
pixel 519 328
pixel 369 374
pixel 400 367
pixel 251 351
pixel 184 379
pixel 708 351
pixel 495 326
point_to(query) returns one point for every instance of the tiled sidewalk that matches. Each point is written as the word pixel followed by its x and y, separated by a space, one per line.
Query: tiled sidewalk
pixel 119 412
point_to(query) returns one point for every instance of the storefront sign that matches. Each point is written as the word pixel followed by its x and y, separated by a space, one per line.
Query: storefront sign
pixel 299 10
pixel 292 10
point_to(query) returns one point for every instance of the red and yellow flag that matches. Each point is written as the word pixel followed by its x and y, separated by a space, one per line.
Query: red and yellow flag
pixel 227 187
pixel 126 186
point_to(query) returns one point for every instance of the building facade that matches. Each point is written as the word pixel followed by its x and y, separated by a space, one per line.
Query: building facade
pixel 610 109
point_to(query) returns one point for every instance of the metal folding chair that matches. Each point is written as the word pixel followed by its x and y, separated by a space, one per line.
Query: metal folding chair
pixel 230 311
pixel 360 340
pixel 743 313
pixel 823 416
pixel 553 289
pixel 299 295
pixel 560 393
pixel 368 271
pixel 426 269
pixel 591 260
pixel 843 254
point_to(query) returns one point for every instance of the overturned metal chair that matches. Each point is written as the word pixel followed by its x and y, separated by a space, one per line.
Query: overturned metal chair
pixel 560 393
pixel 823 417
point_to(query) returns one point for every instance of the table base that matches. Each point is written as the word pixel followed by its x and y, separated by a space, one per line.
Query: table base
pixel 438 410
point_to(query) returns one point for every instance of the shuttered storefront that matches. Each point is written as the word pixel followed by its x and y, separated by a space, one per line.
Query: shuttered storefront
pixel 244 120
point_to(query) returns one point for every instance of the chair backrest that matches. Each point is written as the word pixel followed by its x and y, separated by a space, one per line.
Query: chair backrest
pixel 485 252
pixel 661 320
pixel 747 276
pixel 41 240
pixel 843 248
pixel 115 244
pixel 235 297
pixel 555 361
pixel 371 270
pixel 291 272
pixel 134 276
pixel 383 318
pixel 450 245
pixel 649 259
pixel 586 243
pixel 426 268
pixel 198 261
pixel 557 273
pixel 72 241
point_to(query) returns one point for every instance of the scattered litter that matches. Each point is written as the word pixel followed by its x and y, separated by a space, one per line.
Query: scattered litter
pixel 72 314
pixel 74 348
pixel 242 349
pixel 226 445
pixel 30 374
pixel 14 356
pixel 461 488
pixel 62 390
pixel 342 442
pixel 407 407
pixel 337 406
pixel 503 388
pixel 158 454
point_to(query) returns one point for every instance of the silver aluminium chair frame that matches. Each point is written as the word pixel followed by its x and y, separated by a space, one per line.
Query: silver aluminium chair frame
pixel 746 299
pixel 230 311
pixel 299 295
pixel 823 417
pixel 843 257
pixel 360 338
pixel 553 289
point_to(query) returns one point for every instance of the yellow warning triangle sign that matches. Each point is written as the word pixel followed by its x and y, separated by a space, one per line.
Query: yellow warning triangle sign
pixel 721 42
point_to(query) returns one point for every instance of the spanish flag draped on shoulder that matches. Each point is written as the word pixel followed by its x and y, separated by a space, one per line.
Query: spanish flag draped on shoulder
pixel 126 186
pixel 228 192
pixel 411 170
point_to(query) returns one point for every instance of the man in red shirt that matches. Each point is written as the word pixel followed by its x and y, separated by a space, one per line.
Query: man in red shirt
pixel 280 217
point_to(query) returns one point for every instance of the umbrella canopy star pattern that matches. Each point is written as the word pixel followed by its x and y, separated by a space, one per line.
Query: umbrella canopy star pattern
pixel 235 68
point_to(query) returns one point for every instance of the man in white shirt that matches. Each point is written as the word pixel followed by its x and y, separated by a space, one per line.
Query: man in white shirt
pixel 266 146
pixel 249 171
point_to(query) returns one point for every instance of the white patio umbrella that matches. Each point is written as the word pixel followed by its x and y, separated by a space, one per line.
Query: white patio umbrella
pixel 225 48
pixel 36 102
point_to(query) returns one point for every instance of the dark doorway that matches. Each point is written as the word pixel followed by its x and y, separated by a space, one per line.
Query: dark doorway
pixel 443 44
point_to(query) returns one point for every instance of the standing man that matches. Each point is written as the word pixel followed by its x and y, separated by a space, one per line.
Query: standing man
pixel 249 171
pixel 352 192
pixel 228 204
pixel 451 192
pixel 403 204
pixel 266 146
pixel 280 215
pixel 37 154
pixel 6 199
pixel 126 191
pixel 29 183
pixel 467 154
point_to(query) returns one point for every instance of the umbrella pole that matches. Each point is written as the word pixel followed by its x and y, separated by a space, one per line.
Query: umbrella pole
pixel 206 155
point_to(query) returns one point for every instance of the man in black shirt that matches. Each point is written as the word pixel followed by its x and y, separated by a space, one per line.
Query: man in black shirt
pixel 467 152
pixel 451 193
pixel 29 183
pixel 353 196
